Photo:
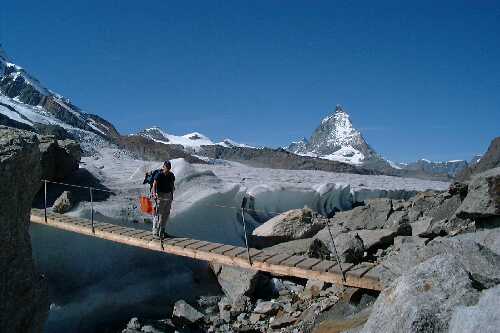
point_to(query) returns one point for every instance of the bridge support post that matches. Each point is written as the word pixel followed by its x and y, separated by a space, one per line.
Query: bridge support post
pixel 243 205
pixel 45 199
pixel 92 209
pixel 335 250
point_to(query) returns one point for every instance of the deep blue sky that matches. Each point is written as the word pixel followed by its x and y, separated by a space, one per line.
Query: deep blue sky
pixel 419 80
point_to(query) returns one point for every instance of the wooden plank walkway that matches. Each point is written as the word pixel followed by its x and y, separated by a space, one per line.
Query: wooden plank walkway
pixel 361 276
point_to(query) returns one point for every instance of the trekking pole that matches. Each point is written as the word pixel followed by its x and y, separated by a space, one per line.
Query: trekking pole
pixel 45 199
pixel 335 250
pixel 92 209
pixel 243 205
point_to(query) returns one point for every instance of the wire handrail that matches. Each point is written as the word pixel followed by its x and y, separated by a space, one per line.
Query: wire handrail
pixel 267 212
pixel 242 208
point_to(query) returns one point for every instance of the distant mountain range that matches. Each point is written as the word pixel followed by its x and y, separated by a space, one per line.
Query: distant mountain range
pixel 335 145
pixel 191 141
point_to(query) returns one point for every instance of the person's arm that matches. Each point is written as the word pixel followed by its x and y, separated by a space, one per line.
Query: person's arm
pixel 154 193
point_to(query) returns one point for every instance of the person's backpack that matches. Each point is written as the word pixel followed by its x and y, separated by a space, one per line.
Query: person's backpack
pixel 149 178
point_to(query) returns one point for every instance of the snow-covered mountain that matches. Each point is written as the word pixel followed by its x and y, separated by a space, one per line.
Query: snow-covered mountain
pixel 26 103
pixel 191 141
pixel 335 139
pixel 451 168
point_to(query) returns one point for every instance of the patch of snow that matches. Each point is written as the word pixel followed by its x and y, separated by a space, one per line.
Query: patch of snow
pixel 14 115
pixel 394 165
pixel 346 154
pixel 231 143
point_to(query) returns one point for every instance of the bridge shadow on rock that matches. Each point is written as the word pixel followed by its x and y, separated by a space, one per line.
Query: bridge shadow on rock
pixel 81 177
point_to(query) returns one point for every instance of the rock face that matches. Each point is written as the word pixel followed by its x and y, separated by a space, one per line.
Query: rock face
pixel 59 158
pixel 23 292
pixel 423 299
pixel 16 83
pixel 490 160
pixel 291 225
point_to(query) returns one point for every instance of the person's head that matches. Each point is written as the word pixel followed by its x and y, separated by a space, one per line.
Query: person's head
pixel 167 166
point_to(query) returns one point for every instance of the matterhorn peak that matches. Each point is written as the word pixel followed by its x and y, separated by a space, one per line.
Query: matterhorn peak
pixel 335 139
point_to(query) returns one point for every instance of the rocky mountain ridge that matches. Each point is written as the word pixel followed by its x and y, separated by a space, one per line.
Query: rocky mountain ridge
pixel 25 100
pixel 450 168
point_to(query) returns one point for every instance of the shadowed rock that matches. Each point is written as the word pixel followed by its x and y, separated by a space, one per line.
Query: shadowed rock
pixel 23 291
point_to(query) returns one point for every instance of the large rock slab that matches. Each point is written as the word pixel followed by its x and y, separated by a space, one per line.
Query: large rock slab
pixel 489 238
pixel 483 317
pixel 376 239
pixel 236 282
pixel 483 198
pixel 424 298
pixel 482 264
pixel 23 291
pixel 349 247
pixel 291 225
pixel 373 215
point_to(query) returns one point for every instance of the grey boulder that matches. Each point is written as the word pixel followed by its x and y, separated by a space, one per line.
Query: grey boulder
pixel 483 198
pixel 185 313
pixel 291 225
pixel 64 203
pixel 236 282
pixel 424 298
pixel 483 317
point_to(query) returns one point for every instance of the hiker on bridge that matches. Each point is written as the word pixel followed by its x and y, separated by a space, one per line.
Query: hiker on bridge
pixel 163 193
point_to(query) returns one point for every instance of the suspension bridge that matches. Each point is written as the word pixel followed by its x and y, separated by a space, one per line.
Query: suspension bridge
pixel 361 275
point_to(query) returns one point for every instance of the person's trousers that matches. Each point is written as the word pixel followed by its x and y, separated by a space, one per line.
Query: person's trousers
pixel 164 205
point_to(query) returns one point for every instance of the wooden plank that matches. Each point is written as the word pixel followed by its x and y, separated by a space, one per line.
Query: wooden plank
pixel 128 231
pixel 105 226
pixel 148 238
pixel 308 263
pixel 323 266
pixel 336 268
pixel 113 229
pixel 234 252
pixel 196 246
pixel 140 234
pixel 118 230
pixel 293 261
pixel 359 270
pixel 137 232
pixel 210 246
pixel 277 259
pixel 173 241
pixel 222 249
pixel 187 242
pixel 253 253
pixel 263 256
